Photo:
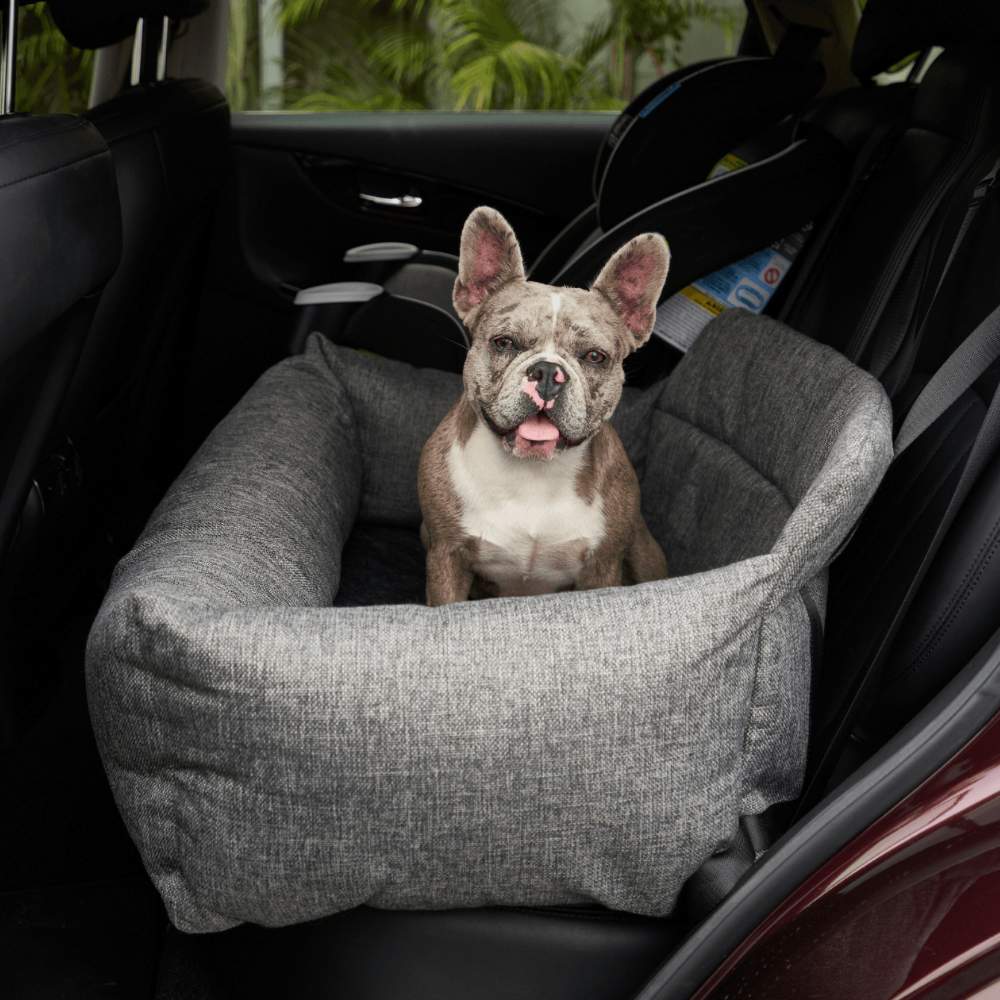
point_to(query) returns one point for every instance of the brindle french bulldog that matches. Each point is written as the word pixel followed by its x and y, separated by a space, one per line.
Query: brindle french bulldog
pixel 525 487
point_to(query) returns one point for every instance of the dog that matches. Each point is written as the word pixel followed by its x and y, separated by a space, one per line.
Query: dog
pixel 525 487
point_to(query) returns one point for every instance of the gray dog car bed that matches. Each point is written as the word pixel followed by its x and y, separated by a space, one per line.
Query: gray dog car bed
pixel 278 757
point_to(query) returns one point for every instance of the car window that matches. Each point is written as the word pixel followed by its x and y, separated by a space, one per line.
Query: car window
pixel 390 55
pixel 52 76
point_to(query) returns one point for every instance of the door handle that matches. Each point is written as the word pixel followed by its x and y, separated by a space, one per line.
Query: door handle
pixel 396 201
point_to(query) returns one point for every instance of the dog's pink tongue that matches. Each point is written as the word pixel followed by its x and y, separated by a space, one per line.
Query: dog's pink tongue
pixel 538 428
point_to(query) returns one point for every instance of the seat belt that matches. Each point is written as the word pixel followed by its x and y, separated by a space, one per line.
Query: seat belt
pixel 979 351
pixel 902 253
pixel 882 358
pixel 979 196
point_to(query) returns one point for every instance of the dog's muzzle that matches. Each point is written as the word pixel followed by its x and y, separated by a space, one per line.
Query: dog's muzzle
pixel 543 381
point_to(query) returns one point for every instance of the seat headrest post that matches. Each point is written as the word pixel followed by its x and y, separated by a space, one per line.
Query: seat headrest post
pixel 919 65
pixel 8 58
pixel 161 55
pixel 135 71
pixel 99 23
pixel 149 49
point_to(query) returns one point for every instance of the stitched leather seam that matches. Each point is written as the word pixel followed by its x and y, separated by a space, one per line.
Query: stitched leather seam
pixel 53 170
pixel 148 127
pixel 910 525
pixel 956 418
pixel 958 600
pixel 138 128
pixel 39 136
pixel 929 496
pixel 951 175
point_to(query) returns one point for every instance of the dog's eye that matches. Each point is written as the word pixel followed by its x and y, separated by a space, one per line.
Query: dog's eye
pixel 595 357
pixel 503 344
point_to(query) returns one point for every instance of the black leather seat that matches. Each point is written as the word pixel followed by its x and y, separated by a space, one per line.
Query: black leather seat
pixel 60 241
pixel 169 145
pixel 947 144
pixel 954 134
pixel 373 954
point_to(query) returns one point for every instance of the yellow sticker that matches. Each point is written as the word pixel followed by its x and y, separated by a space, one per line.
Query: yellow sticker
pixel 696 295
pixel 727 165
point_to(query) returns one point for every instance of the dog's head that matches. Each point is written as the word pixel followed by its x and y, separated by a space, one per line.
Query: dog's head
pixel 545 367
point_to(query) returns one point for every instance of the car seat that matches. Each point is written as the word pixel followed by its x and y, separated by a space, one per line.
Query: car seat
pixel 169 147
pixel 60 242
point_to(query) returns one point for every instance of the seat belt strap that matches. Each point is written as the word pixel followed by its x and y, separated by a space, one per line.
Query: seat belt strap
pixel 979 195
pixel 978 352
pixel 883 357
pixel 901 255
pixel 956 376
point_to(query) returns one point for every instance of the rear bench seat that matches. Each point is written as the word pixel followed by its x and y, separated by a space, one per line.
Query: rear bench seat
pixel 575 952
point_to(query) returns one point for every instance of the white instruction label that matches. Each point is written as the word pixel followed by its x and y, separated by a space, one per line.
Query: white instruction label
pixel 747 284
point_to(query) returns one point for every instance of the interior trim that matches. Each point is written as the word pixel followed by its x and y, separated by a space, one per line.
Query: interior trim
pixel 925 744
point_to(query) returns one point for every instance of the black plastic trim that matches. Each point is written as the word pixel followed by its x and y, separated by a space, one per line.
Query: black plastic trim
pixel 438 145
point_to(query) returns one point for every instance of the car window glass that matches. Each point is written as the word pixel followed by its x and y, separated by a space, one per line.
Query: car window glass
pixel 389 55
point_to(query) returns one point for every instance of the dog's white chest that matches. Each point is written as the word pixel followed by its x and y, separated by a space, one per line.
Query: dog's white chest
pixel 533 530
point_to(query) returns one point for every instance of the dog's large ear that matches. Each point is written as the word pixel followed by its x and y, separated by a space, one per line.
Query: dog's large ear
pixel 490 258
pixel 632 281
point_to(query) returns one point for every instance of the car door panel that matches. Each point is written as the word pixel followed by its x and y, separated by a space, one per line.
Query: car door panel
pixel 293 208
pixel 302 177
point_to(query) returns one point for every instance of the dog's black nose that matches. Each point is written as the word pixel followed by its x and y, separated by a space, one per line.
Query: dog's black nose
pixel 548 377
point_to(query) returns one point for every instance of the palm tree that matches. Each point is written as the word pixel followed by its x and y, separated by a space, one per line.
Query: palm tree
pixel 504 54
pixel 475 54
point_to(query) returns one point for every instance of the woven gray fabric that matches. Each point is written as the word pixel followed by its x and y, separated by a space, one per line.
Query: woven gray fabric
pixel 277 759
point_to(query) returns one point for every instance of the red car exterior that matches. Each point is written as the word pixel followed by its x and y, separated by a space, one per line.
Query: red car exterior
pixel 909 909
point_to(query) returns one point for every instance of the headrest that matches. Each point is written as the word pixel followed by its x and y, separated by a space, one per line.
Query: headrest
pixel 891 29
pixel 97 23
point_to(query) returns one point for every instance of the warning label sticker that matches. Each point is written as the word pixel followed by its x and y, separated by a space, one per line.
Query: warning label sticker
pixel 748 284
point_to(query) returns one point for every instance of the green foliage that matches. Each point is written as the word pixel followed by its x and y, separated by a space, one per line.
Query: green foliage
pixel 462 54
pixel 356 55
pixel 502 53
pixel 412 54
pixel 52 76
pixel 654 29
